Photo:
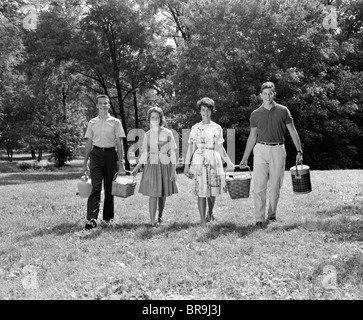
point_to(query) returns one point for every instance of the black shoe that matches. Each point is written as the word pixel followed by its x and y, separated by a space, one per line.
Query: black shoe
pixel 90 224
pixel 209 218
pixel 258 224
pixel 272 218
pixel 160 219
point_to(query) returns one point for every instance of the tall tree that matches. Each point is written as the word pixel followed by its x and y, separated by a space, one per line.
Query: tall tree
pixel 237 45
pixel 114 50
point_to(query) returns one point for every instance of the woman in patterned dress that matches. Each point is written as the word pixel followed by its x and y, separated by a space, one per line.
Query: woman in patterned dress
pixel 158 179
pixel 206 152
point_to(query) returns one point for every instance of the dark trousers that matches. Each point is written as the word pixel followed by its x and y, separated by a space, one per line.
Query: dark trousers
pixel 103 166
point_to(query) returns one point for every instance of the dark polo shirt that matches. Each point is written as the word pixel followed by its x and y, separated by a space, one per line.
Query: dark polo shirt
pixel 271 124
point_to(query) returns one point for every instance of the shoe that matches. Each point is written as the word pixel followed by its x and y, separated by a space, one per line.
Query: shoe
pixel 108 223
pixel 209 218
pixel 272 218
pixel 258 224
pixel 160 219
pixel 90 224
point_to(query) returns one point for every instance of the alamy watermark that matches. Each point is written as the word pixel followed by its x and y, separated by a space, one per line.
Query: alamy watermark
pixel 334 275
pixel 182 145
pixel 30 20
pixel 330 20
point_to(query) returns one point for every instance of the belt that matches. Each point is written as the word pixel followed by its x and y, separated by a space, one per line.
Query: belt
pixel 205 148
pixel 271 143
pixel 104 149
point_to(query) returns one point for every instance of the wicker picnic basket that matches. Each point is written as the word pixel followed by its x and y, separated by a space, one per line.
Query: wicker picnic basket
pixel 123 186
pixel 238 184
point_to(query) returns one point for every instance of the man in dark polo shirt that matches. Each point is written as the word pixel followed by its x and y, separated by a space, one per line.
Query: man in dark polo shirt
pixel 104 149
pixel 266 139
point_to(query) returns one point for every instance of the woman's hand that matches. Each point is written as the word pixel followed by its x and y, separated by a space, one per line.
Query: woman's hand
pixel 134 172
pixel 173 176
pixel 186 170
pixel 230 166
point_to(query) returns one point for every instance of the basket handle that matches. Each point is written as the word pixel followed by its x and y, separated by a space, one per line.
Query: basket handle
pixel 237 166
pixel 246 167
pixel 297 171
pixel 116 174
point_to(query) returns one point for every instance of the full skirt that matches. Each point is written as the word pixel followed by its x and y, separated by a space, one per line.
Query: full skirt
pixel 155 180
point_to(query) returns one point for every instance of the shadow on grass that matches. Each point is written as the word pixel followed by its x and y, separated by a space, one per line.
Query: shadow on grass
pixel 220 229
pixel 142 230
pixel 346 209
pixel 146 231
pixel 337 223
pixel 342 228
pixel 59 230
pixel 36 177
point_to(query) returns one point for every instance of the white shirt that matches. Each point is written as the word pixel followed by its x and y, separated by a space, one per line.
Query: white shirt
pixel 104 132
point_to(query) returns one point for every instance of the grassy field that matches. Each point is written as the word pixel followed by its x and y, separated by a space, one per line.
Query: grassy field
pixel 44 254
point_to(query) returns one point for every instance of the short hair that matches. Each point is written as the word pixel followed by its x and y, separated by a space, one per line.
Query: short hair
pixel 161 115
pixel 207 102
pixel 103 96
pixel 268 85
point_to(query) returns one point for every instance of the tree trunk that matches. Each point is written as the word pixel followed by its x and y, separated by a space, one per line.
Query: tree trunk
pixel 32 152
pixel 123 121
pixel 136 120
pixel 40 154
pixel 64 104
pixel 9 151
pixel 136 109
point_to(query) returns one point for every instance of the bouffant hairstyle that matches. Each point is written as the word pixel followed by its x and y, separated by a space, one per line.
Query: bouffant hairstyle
pixel 207 102
pixel 268 85
pixel 161 115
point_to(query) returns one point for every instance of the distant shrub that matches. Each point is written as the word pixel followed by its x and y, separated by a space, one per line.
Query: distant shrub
pixel 24 166
pixel 29 166
pixel 6 167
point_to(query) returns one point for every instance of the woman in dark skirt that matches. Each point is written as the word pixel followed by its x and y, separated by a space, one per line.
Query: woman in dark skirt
pixel 158 179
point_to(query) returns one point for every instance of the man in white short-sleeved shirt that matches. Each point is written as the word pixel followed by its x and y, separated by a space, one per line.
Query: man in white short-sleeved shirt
pixel 104 149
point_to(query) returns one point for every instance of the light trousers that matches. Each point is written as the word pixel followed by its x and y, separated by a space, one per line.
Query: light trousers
pixel 268 166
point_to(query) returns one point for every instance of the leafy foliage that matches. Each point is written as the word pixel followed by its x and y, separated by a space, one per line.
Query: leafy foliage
pixel 221 49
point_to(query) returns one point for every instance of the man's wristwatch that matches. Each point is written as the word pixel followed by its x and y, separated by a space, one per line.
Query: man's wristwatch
pixel 299 151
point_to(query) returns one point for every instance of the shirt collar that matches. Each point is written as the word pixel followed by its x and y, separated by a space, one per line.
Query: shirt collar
pixel 106 118
pixel 262 108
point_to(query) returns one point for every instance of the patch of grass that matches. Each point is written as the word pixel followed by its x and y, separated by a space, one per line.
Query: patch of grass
pixel 44 253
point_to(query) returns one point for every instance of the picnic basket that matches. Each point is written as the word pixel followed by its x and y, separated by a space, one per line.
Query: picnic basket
pixel 300 179
pixel 123 186
pixel 238 184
